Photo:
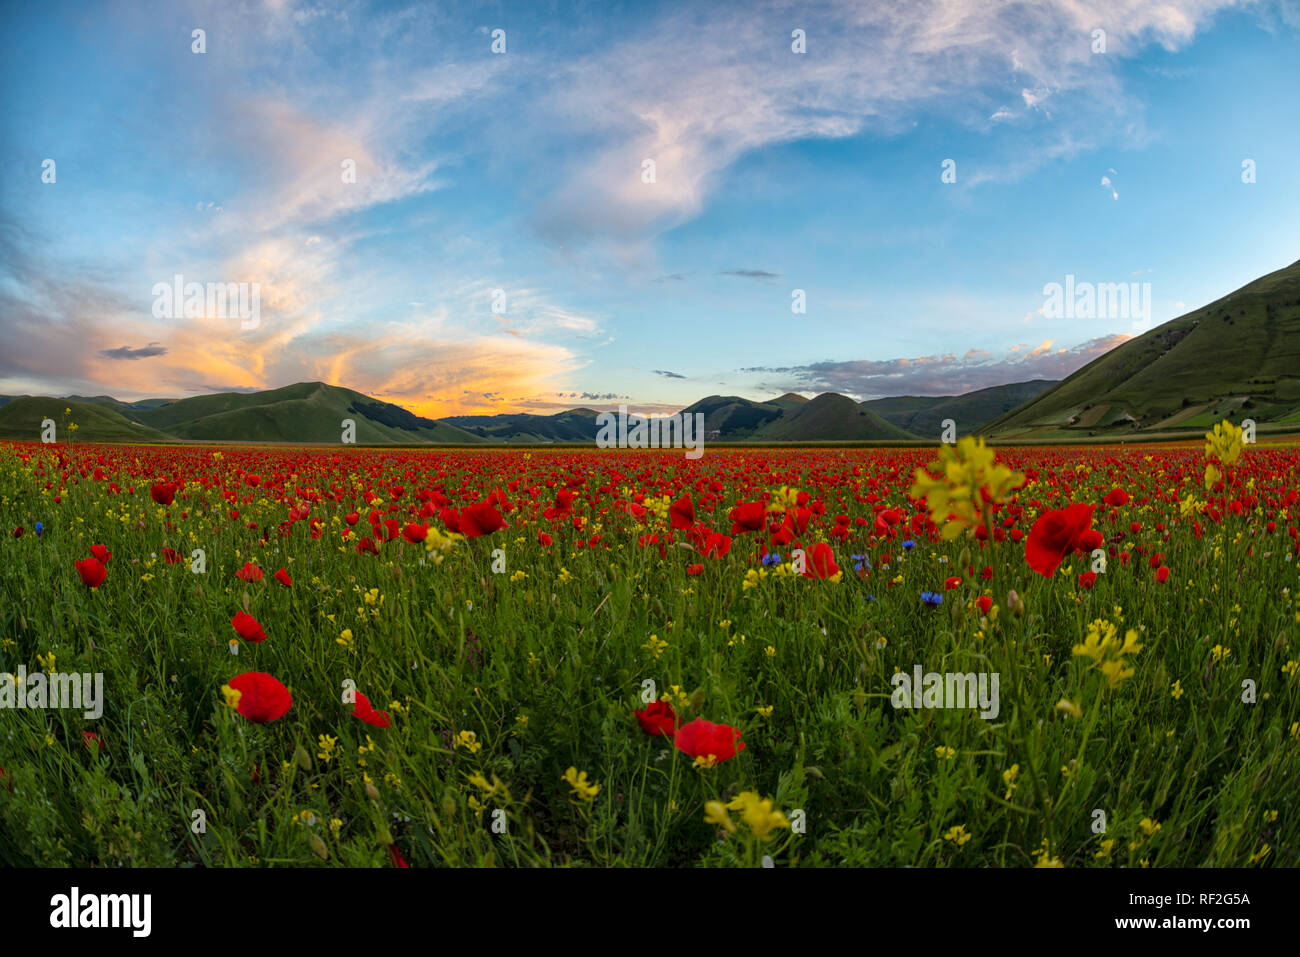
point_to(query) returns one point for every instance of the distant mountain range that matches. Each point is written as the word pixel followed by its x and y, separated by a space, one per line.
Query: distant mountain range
pixel 1238 357
pixel 312 412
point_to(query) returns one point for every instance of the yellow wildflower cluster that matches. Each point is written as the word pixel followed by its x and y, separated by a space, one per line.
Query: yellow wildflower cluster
pixel 582 788
pixel 971 481
pixel 1108 653
pixel 1225 444
pixel 756 812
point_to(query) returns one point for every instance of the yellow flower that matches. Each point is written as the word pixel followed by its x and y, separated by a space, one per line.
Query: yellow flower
pixel 957 834
pixel 327 746
pixel 1218 652
pixel 1045 859
pixel 1148 826
pixel 1069 707
pixel 519 575
pixel 1176 691
pixel 1009 779
pixel 655 645
pixel 758 814
pixel 1225 443
pixel 1106 845
pixel 715 812
pixel 467 740
pixel 582 788
pixel 232 695
pixel 944 752
pixel 764 711
pixel 969 474
pixel 1108 653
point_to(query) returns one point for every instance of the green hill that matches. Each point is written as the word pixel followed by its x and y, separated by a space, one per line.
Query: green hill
pixel 831 417
pixel 732 417
pixel 924 415
pixel 1238 357
pixel 303 412
pixel 21 417
pixel 574 425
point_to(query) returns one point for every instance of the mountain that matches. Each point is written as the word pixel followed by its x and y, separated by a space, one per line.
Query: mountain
pixel 21 418
pixel 733 418
pixel 574 425
pixel 924 415
pixel 1238 357
pixel 831 417
pixel 308 412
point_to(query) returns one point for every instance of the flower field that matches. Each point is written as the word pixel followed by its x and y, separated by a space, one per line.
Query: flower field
pixel 607 658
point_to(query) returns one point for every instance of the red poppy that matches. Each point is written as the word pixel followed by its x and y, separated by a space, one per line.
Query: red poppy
pixel 951 583
pixel 92 572
pixel 352 517
pixel 1055 534
pixel 91 740
pixel 544 540
pixel 658 719
pixel 1116 497
pixel 701 739
pixel 249 573
pixel 101 553
pixel 18 532
pixel 820 562
pixel 396 857
pixel 748 517
pixel 985 603
pixel 1162 574
pixel 480 519
pixel 682 513
pixel 261 697
pixel 247 627
pixel 164 493
pixel 1087 579
pixel 415 533
pixel 367 544
pixel 362 709
pixel 283 578
pixel 717 545
pixel 696 569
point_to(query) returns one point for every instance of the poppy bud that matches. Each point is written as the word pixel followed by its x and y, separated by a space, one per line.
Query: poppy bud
pixel 1015 603
pixel 302 757
pixel 697 699
pixel 319 847
pixel 372 792
pixel 383 835
pixel 964 558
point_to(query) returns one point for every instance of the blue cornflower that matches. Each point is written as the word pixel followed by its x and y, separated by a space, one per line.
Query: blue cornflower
pixel 772 558
pixel 860 561
pixel 39 528
pixel 932 598
pixel 909 545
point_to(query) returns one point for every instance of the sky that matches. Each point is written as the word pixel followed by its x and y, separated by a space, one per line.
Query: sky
pixel 472 209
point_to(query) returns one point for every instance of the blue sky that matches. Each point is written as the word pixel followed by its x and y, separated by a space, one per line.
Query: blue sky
pixel 522 172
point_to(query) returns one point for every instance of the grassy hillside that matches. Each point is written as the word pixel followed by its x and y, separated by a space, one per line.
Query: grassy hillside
pixel 831 416
pixel 924 415
pixel 21 416
pixel 733 417
pixel 303 412
pixel 1238 357
pixel 574 425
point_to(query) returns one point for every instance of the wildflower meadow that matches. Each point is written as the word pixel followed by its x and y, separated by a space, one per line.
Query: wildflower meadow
pixel 954 656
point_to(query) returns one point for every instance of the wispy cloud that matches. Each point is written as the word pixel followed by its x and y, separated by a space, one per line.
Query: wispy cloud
pixel 947 374
pixel 126 352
